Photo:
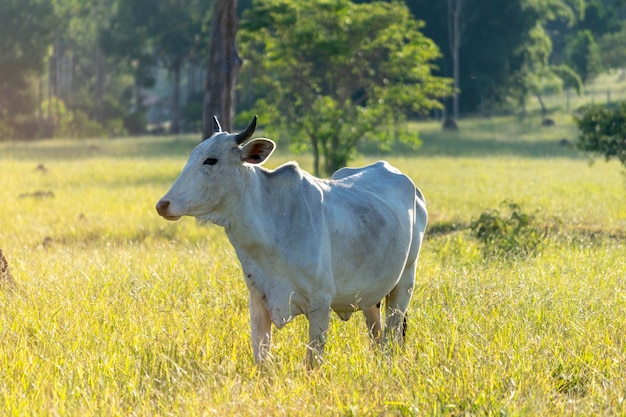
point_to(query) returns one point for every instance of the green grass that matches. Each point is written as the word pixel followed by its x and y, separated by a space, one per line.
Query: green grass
pixel 118 312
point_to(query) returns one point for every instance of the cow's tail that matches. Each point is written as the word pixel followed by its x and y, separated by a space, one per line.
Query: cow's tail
pixel 419 205
pixel 404 327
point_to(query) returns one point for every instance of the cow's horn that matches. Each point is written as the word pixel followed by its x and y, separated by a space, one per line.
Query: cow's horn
pixel 216 125
pixel 245 135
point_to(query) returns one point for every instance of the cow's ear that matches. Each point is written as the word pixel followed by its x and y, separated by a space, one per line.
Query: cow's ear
pixel 257 151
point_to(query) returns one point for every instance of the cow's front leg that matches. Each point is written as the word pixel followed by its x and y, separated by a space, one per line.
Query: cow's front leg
pixel 260 323
pixel 318 326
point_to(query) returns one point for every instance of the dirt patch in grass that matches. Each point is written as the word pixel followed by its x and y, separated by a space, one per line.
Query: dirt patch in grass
pixel 5 271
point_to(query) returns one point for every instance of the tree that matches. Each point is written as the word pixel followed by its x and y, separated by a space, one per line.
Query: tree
pixel 600 17
pixel 612 51
pixel 334 72
pixel 494 39
pixel 26 30
pixel 583 54
pixel 175 28
pixel 457 23
pixel 128 44
pixel 169 30
pixel 80 76
pixel 536 74
pixel 222 68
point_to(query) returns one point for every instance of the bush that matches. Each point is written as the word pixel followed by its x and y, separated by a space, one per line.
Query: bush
pixel 602 131
pixel 512 234
pixel 192 111
pixel 77 124
pixel 6 131
pixel 135 123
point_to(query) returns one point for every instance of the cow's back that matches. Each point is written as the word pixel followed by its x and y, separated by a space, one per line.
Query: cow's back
pixel 376 218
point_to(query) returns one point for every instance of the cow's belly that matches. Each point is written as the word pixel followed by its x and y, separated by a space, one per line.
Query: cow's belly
pixel 359 298
pixel 369 248
pixel 367 270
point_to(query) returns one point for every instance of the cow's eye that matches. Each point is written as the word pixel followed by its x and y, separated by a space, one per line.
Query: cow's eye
pixel 210 161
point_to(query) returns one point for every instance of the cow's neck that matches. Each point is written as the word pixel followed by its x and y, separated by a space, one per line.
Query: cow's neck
pixel 263 204
pixel 248 223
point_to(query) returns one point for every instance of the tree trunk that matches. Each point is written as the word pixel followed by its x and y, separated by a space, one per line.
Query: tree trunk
pixel 175 127
pixel 39 99
pixel 544 110
pixel 455 9
pixel 99 87
pixel 57 61
pixel 316 156
pixel 335 154
pixel 137 93
pixel 222 68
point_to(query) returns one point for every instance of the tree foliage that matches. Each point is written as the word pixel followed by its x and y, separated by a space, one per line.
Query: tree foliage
pixel 79 75
pixel 26 31
pixel 93 58
pixel 537 75
pixel 164 30
pixel 612 50
pixel 583 54
pixel 494 34
pixel 334 72
pixel 515 48
pixel 128 42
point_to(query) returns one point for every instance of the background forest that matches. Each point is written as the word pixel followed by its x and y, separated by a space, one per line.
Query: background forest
pixel 76 68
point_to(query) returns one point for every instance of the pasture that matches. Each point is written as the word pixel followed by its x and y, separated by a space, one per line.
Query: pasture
pixel 118 312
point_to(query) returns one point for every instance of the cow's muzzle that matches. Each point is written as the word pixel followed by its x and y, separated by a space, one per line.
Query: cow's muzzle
pixel 163 208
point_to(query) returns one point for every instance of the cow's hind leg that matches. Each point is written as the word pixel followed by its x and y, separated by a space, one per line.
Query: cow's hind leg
pixel 372 319
pixel 397 303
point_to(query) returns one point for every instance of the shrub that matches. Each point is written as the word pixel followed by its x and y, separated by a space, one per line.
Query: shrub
pixel 602 131
pixel 193 110
pixel 135 123
pixel 512 234
pixel 77 124
pixel 6 130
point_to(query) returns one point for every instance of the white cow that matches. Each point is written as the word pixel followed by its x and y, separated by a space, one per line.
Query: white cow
pixel 306 245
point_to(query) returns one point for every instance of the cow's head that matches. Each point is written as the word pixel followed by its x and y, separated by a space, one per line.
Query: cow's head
pixel 213 173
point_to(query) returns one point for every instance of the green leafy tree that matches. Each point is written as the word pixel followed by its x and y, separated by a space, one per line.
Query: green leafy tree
pixel 612 50
pixel 80 76
pixel 583 54
pixel 127 44
pixel 503 46
pixel 537 75
pixel 26 30
pixel 334 72
pixel 599 17
pixel 169 31
pixel 176 29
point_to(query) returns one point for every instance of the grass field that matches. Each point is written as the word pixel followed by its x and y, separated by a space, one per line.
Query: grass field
pixel 115 311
